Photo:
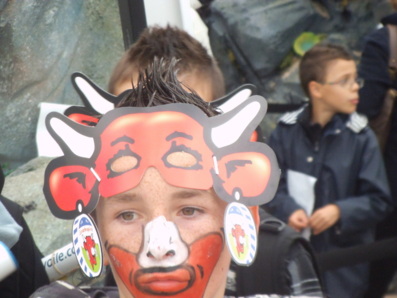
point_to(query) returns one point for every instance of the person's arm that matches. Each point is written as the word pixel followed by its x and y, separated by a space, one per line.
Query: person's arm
pixel 324 218
pixel 282 205
pixel 10 230
pixel 298 220
pixel 373 201
pixel 30 274
pixel 373 68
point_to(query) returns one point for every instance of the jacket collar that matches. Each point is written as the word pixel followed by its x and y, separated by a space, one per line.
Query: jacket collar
pixel 339 122
pixel 390 19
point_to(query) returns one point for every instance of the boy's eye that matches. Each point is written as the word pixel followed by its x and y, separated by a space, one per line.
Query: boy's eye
pixel 123 161
pixel 344 82
pixel 127 215
pixel 190 211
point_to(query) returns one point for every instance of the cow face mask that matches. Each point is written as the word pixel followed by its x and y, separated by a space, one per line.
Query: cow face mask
pixel 188 148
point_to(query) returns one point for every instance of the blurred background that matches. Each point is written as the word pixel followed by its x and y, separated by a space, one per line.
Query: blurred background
pixel 43 42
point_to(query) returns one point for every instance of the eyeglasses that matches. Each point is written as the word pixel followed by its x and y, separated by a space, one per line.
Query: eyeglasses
pixel 347 83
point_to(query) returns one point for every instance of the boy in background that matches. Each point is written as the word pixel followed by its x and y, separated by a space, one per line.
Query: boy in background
pixel 327 153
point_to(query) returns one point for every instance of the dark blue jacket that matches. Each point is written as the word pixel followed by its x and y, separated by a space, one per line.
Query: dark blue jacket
pixel 373 68
pixel 344 157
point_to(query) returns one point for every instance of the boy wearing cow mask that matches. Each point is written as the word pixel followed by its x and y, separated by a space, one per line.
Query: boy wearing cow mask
pixel 178 186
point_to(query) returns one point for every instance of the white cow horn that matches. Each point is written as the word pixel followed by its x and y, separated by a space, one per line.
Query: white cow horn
pixel 231 130
pixel 97 101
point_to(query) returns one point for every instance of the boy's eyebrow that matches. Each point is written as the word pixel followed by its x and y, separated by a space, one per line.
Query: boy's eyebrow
pixel 122 139
pixel 180 194
pixel 123 198
pixel 178 134
pixel 191 193
pixel 340 77
pixel 186 193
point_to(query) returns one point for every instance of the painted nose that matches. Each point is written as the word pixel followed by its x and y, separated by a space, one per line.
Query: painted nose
pixel 160 251
pixel 160 240
pixel 162 244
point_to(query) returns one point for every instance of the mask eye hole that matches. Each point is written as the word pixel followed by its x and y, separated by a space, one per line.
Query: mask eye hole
pixel 180 156
pixel 181 159
pixel 124 163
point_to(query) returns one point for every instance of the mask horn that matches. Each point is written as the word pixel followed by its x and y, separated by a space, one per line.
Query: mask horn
pixel 235 98
pixel 92 96
pixel 238 123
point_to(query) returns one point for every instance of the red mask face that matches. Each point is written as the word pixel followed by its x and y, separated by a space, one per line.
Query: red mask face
pixel 171 142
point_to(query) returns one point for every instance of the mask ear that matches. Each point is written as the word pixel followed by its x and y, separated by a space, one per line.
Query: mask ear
pixel 73 138
pixel 81 115
pixel 70 189
pixel 249 177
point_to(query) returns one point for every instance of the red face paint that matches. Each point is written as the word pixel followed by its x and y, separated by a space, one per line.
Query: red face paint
pixel 185 280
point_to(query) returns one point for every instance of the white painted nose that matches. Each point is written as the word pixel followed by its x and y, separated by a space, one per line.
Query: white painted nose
pixel 162 245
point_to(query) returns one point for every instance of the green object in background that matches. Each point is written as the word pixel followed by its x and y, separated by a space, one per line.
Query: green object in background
pixel 306 41
pixel 6 168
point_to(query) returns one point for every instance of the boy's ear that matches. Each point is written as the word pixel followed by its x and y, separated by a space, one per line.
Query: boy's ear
pixel 105 257
pixel 315 89
pixel 255 214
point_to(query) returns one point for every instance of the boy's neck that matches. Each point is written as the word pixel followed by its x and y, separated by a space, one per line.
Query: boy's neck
pixel 321 115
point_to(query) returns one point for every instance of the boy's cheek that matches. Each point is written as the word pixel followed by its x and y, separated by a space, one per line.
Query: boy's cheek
pixel 129 240
pixel 190 233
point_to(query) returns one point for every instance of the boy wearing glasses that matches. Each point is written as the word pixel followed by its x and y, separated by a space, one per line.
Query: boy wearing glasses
pixel 333 186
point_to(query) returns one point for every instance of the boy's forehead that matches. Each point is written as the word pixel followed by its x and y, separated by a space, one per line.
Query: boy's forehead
pixel 154 188
pixel 340 67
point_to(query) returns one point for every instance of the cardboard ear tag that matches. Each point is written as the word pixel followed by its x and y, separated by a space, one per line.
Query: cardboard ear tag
pixel 87 245
pixel 240 233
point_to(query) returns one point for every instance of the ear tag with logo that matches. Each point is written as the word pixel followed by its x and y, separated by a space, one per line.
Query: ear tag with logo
pixel 240 233
pixel 87 245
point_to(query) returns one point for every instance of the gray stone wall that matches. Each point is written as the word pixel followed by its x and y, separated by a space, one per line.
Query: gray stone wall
pixel 41 44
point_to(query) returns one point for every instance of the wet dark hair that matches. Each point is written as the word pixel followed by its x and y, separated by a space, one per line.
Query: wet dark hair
pixel 158 85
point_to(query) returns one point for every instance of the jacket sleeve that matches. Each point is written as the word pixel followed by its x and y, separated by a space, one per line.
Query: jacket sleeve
pixel 373 68
pixel 373 200
pixel 283 205
pixel 30 274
